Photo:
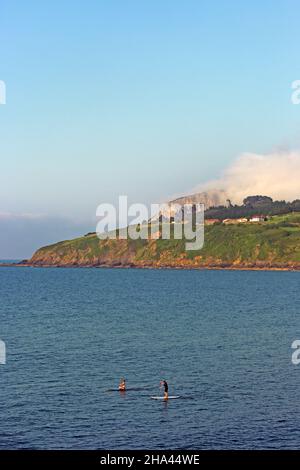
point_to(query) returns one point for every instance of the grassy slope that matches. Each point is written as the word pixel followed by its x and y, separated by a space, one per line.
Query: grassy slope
pixel 274 243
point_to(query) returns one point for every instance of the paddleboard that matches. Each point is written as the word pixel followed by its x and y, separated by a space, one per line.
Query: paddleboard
pixel 131 389
pixel 162 398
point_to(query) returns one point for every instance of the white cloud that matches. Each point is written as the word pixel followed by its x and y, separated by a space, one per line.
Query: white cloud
pixel 276 175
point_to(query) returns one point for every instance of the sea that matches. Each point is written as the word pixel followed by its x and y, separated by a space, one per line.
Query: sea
pixel 221 339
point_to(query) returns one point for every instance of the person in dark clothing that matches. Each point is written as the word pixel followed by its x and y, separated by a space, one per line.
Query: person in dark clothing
pixel 164 384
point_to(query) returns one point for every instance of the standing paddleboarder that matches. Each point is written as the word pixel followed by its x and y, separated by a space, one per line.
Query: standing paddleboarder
pixel 164 384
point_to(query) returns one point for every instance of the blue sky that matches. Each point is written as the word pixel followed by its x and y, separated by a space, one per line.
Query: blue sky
pixel 144 98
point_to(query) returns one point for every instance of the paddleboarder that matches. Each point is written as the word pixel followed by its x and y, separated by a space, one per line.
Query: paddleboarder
pixel 164 384
pixel 122 385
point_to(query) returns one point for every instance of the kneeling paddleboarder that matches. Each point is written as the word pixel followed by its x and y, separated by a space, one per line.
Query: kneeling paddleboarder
pixel 122 385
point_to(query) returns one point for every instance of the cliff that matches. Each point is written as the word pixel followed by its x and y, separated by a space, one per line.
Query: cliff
pixel 269 245
pixel 210 198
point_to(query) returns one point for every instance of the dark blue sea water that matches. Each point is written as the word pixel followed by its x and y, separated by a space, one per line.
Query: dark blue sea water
pixel 9 261
pixel 221 339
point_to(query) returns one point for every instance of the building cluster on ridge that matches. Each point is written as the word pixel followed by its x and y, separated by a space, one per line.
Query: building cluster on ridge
pixel 242 220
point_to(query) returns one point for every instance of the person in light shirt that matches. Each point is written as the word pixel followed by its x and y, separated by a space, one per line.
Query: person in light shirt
pixel 122 385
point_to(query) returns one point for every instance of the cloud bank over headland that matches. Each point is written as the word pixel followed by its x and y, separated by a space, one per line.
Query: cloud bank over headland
pixel 276 174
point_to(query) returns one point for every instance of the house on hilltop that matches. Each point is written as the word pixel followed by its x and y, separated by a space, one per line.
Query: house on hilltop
pixel 231 221
pixel 258 218
pixel 212 221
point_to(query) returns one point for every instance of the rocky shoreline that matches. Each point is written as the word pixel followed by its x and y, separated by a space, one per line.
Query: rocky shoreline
pixel 204 267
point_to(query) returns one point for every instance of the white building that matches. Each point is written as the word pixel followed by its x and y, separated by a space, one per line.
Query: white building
pixel 258 218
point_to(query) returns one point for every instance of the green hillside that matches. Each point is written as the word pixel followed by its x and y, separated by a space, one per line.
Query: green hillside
pixel 272 244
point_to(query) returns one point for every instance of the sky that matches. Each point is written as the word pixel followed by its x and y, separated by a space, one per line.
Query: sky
pixel 144 98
